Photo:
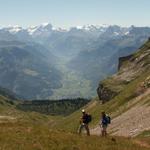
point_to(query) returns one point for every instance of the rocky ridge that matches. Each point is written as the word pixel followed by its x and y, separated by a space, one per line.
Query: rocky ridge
pixel 130 67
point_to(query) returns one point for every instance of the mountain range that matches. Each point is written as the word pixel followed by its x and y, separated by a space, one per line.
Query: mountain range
pixel 43 62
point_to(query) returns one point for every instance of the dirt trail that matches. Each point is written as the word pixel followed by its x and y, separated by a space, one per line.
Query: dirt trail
pixel 132 122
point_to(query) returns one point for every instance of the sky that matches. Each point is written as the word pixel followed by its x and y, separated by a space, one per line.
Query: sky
pixel 68 13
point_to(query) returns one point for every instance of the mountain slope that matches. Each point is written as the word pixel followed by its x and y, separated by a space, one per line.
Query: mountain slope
pixel 22 136
pixel 130 68
pixel 28 69
pixel 32 131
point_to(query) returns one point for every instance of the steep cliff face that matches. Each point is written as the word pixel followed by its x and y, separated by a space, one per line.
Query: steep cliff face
pixel 129 68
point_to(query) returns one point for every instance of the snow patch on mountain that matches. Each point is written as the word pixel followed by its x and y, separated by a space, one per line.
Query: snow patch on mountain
pixel 126 33
pixel 45 30
pixel 32 29
pixel 13 29
pixel 92 27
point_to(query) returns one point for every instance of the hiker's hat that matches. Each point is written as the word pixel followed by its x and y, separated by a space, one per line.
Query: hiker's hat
pixel 83 110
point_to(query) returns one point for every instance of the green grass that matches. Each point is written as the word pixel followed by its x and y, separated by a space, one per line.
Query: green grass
pixel 21 136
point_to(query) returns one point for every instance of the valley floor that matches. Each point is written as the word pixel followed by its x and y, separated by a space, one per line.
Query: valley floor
pixel 74 85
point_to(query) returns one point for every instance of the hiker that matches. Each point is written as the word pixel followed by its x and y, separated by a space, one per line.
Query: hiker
pixel 84 121
pixel 104 121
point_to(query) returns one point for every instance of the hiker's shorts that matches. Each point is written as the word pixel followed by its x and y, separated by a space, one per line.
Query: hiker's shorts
pixel 104 128
pixel 85 126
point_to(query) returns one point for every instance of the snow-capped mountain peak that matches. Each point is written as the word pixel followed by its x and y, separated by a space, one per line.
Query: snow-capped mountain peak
pixel 88 27
pixel 43 28
pixel 32 29
pixel 45 24
pixel 13 29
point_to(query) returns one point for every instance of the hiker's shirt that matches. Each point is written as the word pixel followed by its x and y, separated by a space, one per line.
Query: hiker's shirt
pixel 85 119
pixel 104 122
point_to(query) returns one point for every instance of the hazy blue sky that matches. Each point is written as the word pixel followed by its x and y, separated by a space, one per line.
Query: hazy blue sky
pixel 65 13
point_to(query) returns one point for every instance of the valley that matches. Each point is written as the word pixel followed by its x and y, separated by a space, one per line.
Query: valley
pixel 74 75
pixel 129 109
pixel 73 84
pixel 51 63
pixel 38 123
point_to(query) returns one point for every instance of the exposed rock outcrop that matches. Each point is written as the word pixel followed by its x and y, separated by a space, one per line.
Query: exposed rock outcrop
pixel 122 59
pixel 104 93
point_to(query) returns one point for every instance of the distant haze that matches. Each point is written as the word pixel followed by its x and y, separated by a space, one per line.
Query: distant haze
pixel 67 13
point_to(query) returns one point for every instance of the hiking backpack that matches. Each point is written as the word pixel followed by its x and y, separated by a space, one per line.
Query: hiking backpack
pixel 108 119
pixel 89 118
